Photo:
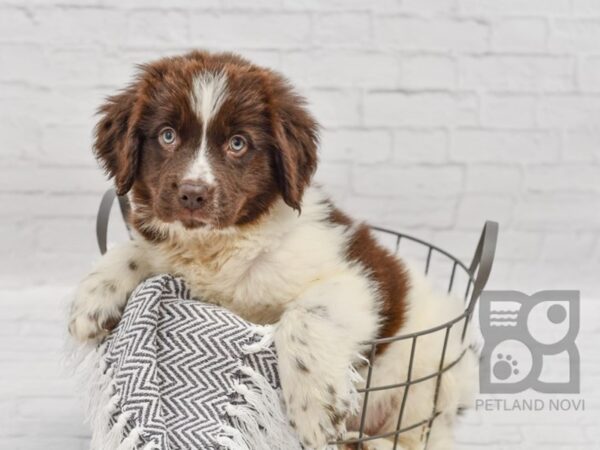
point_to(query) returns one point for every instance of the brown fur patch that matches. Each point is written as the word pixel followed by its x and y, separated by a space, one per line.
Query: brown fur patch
pixel 384 269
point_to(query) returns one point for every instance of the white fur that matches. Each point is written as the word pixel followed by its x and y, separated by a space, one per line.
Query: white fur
pixel 208 93
pixel 425 309
pixel 293 270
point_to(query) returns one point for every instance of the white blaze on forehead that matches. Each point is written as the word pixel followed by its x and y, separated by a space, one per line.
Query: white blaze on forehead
pixel 209 90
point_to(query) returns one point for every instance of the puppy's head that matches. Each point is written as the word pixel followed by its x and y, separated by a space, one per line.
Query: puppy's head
pixel 207 140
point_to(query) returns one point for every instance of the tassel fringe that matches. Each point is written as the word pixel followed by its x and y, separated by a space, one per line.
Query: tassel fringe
pixel 259 422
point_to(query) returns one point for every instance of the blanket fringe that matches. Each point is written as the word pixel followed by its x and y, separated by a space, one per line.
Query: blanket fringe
pixel 259 423
pixel 101 402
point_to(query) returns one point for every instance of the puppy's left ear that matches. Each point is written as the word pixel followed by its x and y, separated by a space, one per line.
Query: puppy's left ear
pixel 118 140
pixel 296 142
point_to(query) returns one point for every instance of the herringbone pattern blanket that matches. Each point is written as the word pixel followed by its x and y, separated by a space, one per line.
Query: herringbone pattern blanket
pixel 181 374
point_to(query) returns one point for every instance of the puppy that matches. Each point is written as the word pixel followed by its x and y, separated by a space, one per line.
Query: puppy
pixel 216 156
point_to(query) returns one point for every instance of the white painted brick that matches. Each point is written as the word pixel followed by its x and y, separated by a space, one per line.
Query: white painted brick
pixel 504 146
pixel 509 111
pixel 557 434
pixel 558 212
pixel 38 442
pixel 74 105
pixel 585 7
pixel 519 35
pixel 518 73
pixel 494 179
pixel 156 4
pixel 428 72
pixel 157 28
pixel 243 4
pixel 569 111
pixel 421 146
pixel 406 180
pixel 514 7
pixel 18 235
pixel 53 236
pixel 563 178
pixel 15 25
pixel 232 30
pixel 420 109
pixel 581 145
pixel 568 246
pixel 518 245
pixel 342 29
pixel 335 178
pixel 67 145
pixel 429 7
pixel 25 205
pixel 27 70
pixel 364 146
pixel 577 35
pixel 330 5
pixel 403 213
pixel 407 33
pixel 36 180
pixel 335 107
pixel 460 243
pixel 492 435
pixel 475 209
pixel 267 58
pixel 72 67
pixel 342 68
pixel 92 26
pixel 21 135
pixel 589 74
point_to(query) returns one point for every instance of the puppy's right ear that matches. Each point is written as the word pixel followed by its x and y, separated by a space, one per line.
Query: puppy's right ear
pixel 118 139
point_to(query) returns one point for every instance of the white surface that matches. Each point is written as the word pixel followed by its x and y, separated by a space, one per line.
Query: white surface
pixel 437 115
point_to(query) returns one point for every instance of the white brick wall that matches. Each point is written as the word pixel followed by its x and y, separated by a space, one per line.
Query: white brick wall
pixel 437 114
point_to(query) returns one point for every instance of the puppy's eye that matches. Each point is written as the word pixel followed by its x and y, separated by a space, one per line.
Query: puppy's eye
pixel 237 144
pixel 167 137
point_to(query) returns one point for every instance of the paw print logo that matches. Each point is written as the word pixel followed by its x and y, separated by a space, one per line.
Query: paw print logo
pixel 505 367
pixel 526 338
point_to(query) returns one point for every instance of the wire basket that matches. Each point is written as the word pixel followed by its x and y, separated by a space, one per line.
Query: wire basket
pixel 475 276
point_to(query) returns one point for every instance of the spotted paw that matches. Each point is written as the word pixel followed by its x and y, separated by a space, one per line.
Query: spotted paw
pixel 316 409
pixel 97 308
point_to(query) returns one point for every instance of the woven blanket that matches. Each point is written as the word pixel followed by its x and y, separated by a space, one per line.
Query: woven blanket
pixel 178 373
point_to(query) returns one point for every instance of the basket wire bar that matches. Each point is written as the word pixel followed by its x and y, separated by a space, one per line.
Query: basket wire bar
pixel 405 394
pixel 477 273
pixel 363 415
pixel 413 381
pixel 438 382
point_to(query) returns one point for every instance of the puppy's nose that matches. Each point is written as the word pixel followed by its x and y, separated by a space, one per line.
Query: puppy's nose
pixel 193 195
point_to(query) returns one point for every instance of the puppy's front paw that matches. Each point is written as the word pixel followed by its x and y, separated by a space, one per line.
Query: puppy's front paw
pixel 315 408
pixel 97 308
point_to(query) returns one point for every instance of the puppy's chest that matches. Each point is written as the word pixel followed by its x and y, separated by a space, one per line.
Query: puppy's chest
pixel 256 282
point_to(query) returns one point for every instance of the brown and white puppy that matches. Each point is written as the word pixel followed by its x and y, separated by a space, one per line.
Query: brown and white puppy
pixel 216 155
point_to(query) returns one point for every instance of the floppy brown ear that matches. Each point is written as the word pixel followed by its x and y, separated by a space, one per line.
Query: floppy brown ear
pixel 296 141
pixel 118 140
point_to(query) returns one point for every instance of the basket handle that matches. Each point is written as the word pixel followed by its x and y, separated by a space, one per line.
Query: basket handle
pixel 104 214
pixel 482 262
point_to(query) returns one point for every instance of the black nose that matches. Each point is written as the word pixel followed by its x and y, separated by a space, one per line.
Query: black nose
pixel 193 195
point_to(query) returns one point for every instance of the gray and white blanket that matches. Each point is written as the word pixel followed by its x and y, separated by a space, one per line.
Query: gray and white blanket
pixel 178 373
